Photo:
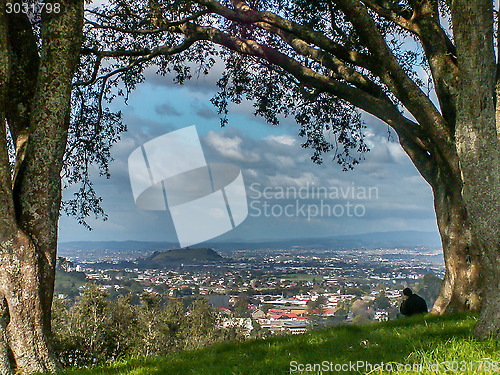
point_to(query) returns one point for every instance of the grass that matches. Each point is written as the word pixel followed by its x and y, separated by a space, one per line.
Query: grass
pixel 434 343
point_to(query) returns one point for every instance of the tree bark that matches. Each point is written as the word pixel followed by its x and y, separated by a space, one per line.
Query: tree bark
pixel 22 286
pixel 5 366
pixel 30 199
pixel 478 147
pixel 460 288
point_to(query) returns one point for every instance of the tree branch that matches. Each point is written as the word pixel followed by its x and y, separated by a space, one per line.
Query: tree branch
pixel 441 56
pixel 393 15
pixel 147 55
pixel 243 13
pixel 381 62
pixel 403 87
pixel 165 25
pixel 382 108
pixel 338 67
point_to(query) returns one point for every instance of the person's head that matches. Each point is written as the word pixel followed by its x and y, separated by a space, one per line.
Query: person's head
pixel 407 292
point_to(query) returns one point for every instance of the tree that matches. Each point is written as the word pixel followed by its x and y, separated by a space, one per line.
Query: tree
pixel 241 308
pixel 363 307
pixel 381 301
pixel 156 335
pixel 319 61
pixel 266 307
pixel 315 312
pixel 35 92
pixel 317 306
pixel 200 326
pixel 323 61
pixel 174 316
pixel 88 336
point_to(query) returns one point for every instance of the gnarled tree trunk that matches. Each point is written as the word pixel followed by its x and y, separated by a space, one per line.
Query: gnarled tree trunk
pixel 35 97
pixel 478 147
pixel 22 286
pixel 461 284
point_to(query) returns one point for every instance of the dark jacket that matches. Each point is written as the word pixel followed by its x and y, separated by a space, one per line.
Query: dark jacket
pixel 413 305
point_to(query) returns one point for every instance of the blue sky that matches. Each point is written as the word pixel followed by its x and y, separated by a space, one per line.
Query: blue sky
pixel 270 158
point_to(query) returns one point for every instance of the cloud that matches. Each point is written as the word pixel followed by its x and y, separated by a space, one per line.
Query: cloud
pixel 204 111
pixel 230 147
pixel 167 109
pixel 305 179
pixel 267 156
pixel 282 139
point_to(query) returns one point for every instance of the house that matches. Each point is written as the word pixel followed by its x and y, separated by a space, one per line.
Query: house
pixel 258 314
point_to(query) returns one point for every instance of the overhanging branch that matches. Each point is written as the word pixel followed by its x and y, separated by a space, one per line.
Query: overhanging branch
pixel 147 55
pixel 382 108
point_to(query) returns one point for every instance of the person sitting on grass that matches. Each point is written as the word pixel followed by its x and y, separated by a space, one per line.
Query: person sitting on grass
pixel 413 304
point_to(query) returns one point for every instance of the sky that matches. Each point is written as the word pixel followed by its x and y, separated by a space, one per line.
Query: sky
pixel 384 193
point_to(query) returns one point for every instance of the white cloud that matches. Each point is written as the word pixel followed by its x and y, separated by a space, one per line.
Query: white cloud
pixel 230 147
pixel 282 139
pixel 305 179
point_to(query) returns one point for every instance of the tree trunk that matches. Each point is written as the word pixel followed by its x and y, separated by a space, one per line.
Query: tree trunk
pixel 30 199
pixel 460 288
pixel 478 147
pixel 22 287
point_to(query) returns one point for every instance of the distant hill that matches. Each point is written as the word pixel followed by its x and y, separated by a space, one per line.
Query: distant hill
pixel 173 258
pixel 369 240
pixel 176 257
pixel 116 245
pixel 134 249
pixel 394 239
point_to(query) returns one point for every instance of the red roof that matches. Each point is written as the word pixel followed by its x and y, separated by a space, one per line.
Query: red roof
pixel 284 316
pixel 276 311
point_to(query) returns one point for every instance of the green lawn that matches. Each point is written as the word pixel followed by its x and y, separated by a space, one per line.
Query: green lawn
pixel 431 341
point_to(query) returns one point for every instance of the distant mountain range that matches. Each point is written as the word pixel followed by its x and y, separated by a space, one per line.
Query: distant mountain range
pixel 116 245
pixel 394 239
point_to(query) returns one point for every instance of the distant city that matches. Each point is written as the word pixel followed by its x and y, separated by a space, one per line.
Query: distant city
pixel 266 288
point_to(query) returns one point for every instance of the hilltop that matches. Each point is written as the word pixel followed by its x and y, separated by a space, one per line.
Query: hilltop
pixel 426 345
pixel 173 258
pixel 176 257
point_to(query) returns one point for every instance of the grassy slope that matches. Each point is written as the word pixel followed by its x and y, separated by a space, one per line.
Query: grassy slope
pixel 423 340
